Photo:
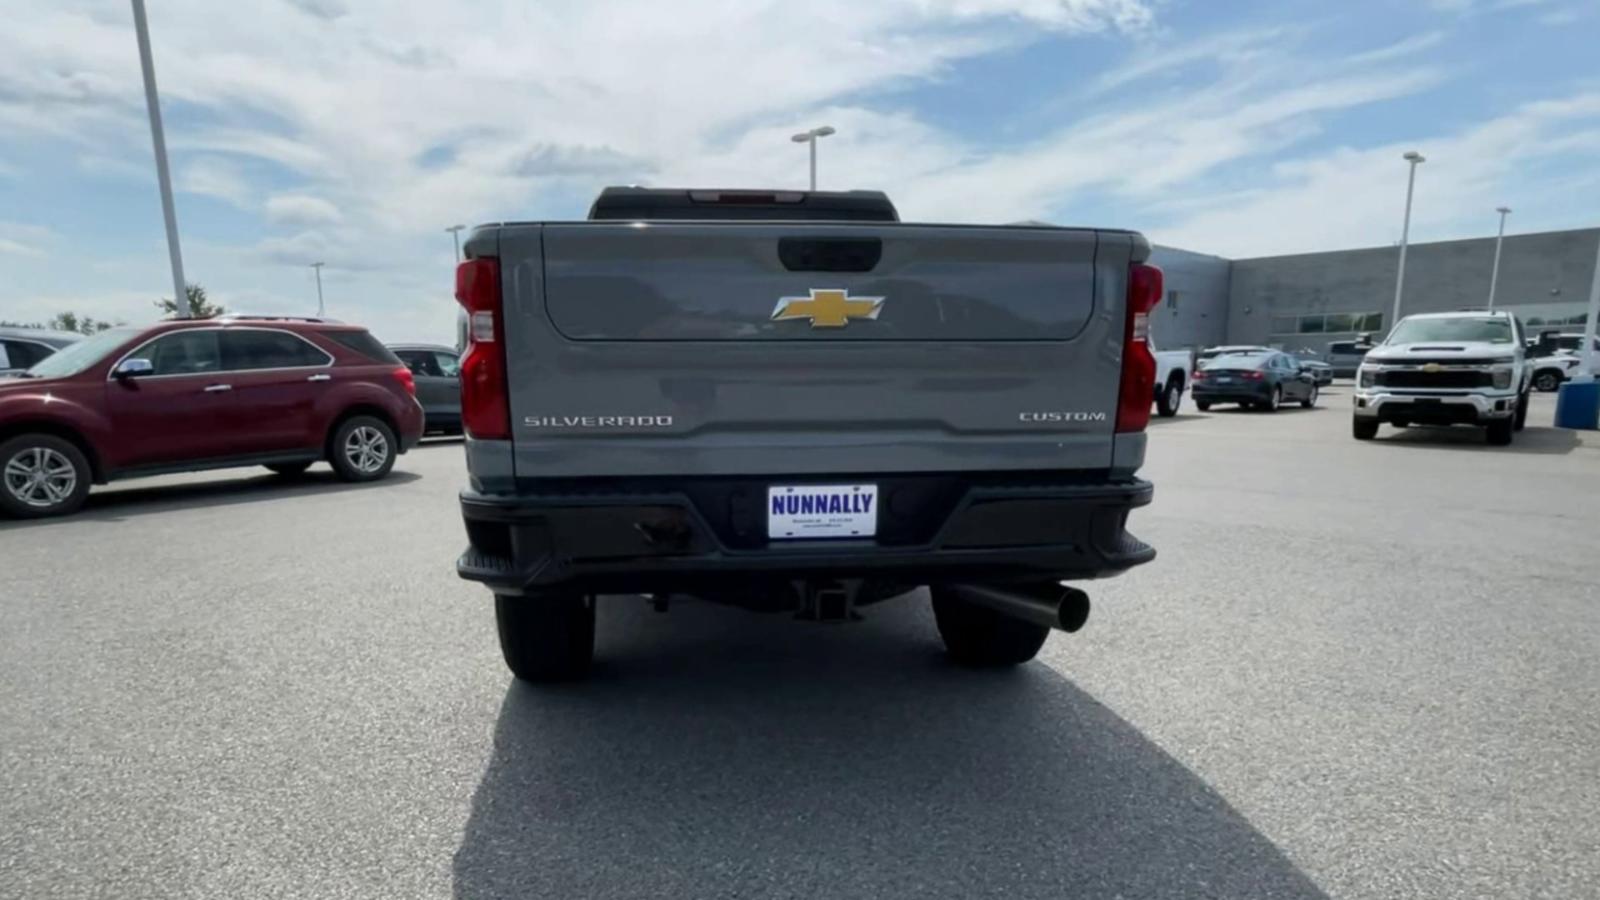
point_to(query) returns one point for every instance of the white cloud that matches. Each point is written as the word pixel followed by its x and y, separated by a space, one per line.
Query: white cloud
pixel 7 245
pixel 216 177
pixel 359 128
pixel 1351 197
pixel 301 209
pixel 18 239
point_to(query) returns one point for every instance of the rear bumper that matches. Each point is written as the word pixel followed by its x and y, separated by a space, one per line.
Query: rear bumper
pixel 1233 393
pixel 663 541
pixel 410 422
pixel 1434 408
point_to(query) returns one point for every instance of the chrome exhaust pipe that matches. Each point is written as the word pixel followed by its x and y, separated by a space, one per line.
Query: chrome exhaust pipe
pixel 1049 604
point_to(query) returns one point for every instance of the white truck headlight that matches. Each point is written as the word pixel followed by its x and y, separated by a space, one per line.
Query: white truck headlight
pixel 1367 377
pixel 1502 377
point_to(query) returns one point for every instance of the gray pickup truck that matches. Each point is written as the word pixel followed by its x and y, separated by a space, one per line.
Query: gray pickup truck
pixel 794 402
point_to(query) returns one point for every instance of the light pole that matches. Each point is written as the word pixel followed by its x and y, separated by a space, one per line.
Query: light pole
pixel 810 137
pixel 317 268
pixel 455 232
pixel 141 30
pixel 1412 157
pixel 1494 274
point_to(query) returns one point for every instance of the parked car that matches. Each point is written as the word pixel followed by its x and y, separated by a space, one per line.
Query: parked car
pixel 1345 357
pixel 1255 381
pixel 193 394
pixel 743 408
pixel 22 348
pixel 1211 353
pixel 1321 372
pixel 437 370
pixel 1550 371
pixel 1172 377
pixel 1550 343
pixel 1455 368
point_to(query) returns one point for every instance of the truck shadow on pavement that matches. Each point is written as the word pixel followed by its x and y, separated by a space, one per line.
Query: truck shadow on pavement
pixel 122 501
pixel 721 754
pixel 1533 439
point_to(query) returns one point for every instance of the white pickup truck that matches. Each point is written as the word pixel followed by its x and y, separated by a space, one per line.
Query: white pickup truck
pixel 1174 368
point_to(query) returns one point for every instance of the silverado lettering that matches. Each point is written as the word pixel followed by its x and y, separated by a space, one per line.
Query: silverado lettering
pixel 598 421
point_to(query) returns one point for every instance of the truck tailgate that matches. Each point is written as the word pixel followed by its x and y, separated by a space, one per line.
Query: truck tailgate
pixel 787 348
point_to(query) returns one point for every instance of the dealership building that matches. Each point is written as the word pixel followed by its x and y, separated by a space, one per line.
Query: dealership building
pixel 1303 302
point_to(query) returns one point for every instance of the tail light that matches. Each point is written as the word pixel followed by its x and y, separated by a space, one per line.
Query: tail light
pixel 406 379
pixel 1200 375
pixel 1138 363
pixel 485 410
pixel 1253 375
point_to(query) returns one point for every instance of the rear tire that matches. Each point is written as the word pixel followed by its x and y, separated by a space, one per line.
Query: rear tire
pixel 546 637
pixel 1171 398
pixel 1274 400
pixel 979 637
pixel 1547 381
pixel 362 448
pixel 1363 429
pixel 1500 432
pixel 1202 405
pixel 289 470
pixel 42 475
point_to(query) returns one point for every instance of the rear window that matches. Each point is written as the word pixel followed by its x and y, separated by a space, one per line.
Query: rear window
pixel 1237 361
pixel 363 343
pixel 1348 348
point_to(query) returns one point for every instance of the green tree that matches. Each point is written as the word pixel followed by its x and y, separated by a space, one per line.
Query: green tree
pixel 67 321
pixel 200 307
pixel 71 321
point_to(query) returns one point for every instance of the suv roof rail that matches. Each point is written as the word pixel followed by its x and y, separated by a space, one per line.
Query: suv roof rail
pixel 315 320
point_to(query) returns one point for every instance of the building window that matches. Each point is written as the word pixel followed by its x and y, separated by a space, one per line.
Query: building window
pixel 1327 323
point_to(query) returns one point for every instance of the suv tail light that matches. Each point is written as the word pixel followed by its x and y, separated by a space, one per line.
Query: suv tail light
pixel 1138 363
pixel 406 379
pixel 485 411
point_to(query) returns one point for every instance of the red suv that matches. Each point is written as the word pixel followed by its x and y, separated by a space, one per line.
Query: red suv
pixel 202 394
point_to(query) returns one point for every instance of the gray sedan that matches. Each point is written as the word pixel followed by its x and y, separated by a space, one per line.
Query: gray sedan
pixel 437 369
pixel 23 348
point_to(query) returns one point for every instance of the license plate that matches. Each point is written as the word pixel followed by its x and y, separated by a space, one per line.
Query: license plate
pixel 822 511
pixel 1224 381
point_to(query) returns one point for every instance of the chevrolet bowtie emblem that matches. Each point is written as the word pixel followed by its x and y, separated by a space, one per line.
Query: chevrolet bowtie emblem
pixel 827 308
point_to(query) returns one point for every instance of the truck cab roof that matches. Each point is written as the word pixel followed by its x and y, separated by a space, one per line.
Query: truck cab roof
pixel 640 203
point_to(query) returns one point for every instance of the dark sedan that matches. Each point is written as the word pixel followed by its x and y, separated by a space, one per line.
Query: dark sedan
pixel 1255 381
pixel 437 370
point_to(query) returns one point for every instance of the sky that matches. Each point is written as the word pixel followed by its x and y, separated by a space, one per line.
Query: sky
pixel 353 132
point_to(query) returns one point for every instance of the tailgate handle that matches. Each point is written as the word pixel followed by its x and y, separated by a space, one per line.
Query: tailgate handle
pixel 830 254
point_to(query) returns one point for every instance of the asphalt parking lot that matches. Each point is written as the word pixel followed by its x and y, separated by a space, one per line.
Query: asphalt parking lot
pixel 1356 670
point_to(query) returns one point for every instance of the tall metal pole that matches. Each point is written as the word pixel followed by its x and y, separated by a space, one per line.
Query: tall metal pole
pixel 810 138
pixel 1494 274
pixel 180 295
pixel 317 268
pixel 1412 157
pixel 455 232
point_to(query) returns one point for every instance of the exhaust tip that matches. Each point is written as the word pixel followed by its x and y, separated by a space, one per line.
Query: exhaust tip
pixel 1074 610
